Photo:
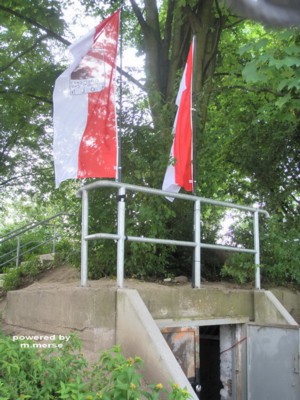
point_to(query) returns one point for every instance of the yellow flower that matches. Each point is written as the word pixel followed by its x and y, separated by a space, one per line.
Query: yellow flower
pixel 159 386
pixel 132 386
pixel 130 361
pixel 175 386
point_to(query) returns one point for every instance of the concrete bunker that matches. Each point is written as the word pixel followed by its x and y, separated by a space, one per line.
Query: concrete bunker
pixel 240 339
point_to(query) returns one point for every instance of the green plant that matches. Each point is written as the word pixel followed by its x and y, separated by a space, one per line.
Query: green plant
pixel 61 372
pixel 279 254
pixel 117 377
pixel 239 268
pixel 28 372
pixel 24 274
pixel 68 251
pixel 12 278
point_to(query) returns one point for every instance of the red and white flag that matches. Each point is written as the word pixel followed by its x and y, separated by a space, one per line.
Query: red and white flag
pixel 85 132
pixel 179 172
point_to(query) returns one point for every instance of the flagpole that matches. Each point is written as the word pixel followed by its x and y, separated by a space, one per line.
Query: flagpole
pixel 194 114
pixel 119 148
pixel 196 274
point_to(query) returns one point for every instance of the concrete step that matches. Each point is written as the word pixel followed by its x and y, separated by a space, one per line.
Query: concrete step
pixel 46 259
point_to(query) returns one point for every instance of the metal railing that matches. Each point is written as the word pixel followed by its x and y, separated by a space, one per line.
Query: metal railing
pixel 121 236
pixel 22 248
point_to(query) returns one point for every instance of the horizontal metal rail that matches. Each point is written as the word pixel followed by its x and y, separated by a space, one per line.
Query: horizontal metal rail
pixel 120 237
pixel 170 242
pixel 162 193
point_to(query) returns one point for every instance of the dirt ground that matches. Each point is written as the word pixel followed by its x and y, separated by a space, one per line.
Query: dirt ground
pixel 68 275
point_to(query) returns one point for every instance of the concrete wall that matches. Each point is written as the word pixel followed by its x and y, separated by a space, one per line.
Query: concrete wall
pixel 138 334
pixel 269 311
pixel 177 303
pixel 290 299
pixel 89 312
pixel 104 316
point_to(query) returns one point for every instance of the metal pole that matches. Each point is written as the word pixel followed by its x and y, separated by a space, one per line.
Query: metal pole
pixel 194 114
pixel 257 250
pixel 197 250
pixel 119 147
pixel 84 242
pixel 121 234
pixel 54 240
pixel 18 252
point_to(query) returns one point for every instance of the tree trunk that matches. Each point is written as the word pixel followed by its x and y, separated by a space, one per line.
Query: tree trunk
pixel 166 52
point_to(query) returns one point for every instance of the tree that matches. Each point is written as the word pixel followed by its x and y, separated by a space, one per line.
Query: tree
pixel 27 76
pixel 247 105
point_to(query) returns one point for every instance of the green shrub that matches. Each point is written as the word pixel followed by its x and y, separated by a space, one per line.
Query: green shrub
pixel 279 255
pixel 68 252
pixel 240 268
pixel 24 274
pixel 62 372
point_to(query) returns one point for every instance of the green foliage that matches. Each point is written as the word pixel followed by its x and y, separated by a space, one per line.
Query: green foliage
pixel 27 372
pixel 248 119
pixel 27 76
pixel 61 372
pixel 239 268
pixel 280 252
pixel 23 275
pixel 68 252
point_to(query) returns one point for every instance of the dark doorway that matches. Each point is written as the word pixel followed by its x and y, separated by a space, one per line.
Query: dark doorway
pixel 210 362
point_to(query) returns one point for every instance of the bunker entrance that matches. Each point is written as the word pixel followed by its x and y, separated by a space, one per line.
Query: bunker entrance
pixel 208 355
pixel 210 362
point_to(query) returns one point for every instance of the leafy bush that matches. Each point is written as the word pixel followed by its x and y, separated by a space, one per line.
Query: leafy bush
pixel 240 268
pixel 63 373
pixel 280 255
pixel 24 274
pixel 68 251
pixel 281 251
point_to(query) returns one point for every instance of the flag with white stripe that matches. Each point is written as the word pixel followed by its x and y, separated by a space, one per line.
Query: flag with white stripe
pixel 179 173
pixel 85 132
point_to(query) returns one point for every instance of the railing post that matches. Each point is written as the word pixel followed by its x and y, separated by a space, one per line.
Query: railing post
pixel 54 240
pixel 197 250
pixel 121 233
pixel 18 251
pixel 257 250
pixel 84 242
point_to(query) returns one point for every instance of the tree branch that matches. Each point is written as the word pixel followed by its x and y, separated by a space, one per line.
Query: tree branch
pixel 131 78
pixel 24 52
pixel 247 89
pixel 138 14
pixel 66 42
pixel 36 24
pixel 33 96
pixel 14 178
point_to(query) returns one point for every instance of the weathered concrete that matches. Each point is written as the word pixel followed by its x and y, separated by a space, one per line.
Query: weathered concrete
pixel 290 299
pixel 138 334
pixel 88 311
pixel 102 316
pixel 269 310
pixel 177 303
